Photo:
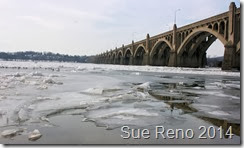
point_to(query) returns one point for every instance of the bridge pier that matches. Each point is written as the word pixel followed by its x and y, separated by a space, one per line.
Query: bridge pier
pixel 131 60
pixel 145 59
pixel 229 57
pixel 194 61
pixel 202 59
pixel 121 62
pixel 173 59
pixel 236 61
pixel 229 61
pixel 173 53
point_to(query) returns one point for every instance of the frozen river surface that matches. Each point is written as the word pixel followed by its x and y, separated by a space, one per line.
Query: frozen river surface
pixel 68 101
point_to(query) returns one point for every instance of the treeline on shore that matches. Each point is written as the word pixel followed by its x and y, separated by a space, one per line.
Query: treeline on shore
pixel 49 56
pixel 42 56
pixel 215 61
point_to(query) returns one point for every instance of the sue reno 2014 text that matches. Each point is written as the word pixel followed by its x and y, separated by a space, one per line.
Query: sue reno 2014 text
pixel 159 132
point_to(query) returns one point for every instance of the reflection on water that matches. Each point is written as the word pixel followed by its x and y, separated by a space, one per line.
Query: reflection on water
pixel 184 104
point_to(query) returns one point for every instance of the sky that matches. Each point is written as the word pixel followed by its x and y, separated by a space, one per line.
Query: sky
pixel 89 27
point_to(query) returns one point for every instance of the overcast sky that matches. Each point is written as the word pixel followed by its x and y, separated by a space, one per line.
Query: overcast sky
pixel 88 27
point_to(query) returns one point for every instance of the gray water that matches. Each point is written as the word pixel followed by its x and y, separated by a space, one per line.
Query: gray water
pixel 81 106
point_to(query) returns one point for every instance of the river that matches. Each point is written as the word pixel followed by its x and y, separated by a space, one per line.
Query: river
pixel 72 103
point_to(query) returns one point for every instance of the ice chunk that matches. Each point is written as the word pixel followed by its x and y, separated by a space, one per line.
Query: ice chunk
pixel 9 133
pixel 43 98
pixel 3 97
pixel 141 95
pixel 219 113
pixel 44 119
pixel 52 75
pixel 17 75
pixel 33 136
pixel 136 73
pixel 81 69
pixel 42 87
pixel 93 91
pixel 3 87
pixel 220 85
pixel 125 117
pixel 118 112
pixel 23 115
pixel 2 112
pixel 236 86
pixel 32 107
pixel 37 74
pixel 181 83
pixel 51 81
pixel 144 86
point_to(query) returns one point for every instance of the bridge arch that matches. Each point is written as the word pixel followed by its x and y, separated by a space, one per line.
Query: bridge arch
pixel 108 56
pixel 139 55
pixel 113 58
pixel 128 56
pixel 196 32
pixel 192 52
pixel 119 57
pixel 159 56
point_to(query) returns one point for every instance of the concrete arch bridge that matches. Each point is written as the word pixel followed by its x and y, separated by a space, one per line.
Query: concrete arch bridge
pixel 185 46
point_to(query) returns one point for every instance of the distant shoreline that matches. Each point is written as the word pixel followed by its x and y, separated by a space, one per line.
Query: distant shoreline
pixel 42 56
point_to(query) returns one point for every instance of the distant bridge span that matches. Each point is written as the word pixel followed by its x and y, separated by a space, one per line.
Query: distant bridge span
pixel 185 46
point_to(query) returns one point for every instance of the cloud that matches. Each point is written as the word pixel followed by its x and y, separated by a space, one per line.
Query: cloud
pixel 91 11
pixel 83 15
pixel 94 26
pixel 40 21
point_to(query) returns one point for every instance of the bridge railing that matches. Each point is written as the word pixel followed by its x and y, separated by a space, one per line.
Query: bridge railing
pixel 161 35
pixel 205 21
